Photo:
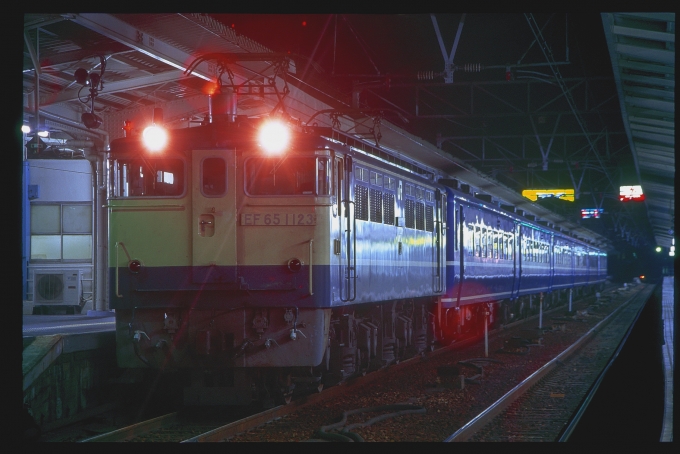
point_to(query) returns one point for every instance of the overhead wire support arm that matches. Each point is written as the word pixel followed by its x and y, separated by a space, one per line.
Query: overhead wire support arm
pixel 545 49
pixel 448 60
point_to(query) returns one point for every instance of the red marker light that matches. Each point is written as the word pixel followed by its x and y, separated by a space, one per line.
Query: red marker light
pixel 135 266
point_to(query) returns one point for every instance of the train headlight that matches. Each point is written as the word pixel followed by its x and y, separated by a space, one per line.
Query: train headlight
pixel 155 138
pixel 274 137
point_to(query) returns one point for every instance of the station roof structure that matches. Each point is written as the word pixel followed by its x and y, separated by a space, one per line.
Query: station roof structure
pixel 527 101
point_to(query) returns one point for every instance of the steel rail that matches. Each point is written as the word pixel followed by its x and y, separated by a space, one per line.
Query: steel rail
pixel 481 420
pixel 135 430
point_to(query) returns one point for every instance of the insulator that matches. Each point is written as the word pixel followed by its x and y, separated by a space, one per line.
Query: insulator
pixel 426 75
pixel 472 67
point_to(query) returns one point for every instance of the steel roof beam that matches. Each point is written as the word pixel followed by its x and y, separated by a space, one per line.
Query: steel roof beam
pixel 141 41
pixel 123 85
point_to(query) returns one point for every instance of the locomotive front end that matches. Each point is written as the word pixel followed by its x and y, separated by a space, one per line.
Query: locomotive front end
pixel 218 255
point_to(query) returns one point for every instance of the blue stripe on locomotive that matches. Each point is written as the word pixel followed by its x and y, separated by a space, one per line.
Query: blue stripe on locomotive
pixel 174 286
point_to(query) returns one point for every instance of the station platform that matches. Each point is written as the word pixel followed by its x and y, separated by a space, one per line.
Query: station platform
pixel 46 325
pixel 668 320
pixel 69 363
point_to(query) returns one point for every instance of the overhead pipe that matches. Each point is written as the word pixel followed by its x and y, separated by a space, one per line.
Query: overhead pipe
pixel 36 65
pixel 99 135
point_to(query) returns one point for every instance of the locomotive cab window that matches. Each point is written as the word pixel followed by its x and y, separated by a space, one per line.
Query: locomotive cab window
pixel 213 177
pixel 288 176
pixel 141 177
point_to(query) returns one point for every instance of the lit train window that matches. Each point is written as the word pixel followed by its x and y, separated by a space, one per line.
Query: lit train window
pixel 495 244
pixel 483 249
pixel 324 176
pixel 489 243
pixel 469 241
pixel 161 177
pixel 281 176
pixel 455 226
pixel 213 177
pixel 478 242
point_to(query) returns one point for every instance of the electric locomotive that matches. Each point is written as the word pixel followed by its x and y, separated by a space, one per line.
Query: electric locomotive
pixel 253 268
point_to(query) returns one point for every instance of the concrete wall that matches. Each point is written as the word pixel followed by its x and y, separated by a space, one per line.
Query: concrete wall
pixel 67 377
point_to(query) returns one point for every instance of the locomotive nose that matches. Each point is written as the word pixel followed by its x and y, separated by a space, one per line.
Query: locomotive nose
pixel 294 265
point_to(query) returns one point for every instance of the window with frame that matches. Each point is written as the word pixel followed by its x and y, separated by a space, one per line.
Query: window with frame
pixel 376 178
pixel 390 183
pixel 287 176
pixel 213 177
pixel 469 241
pixel 61 232
pixel 361 174
pixel 146 177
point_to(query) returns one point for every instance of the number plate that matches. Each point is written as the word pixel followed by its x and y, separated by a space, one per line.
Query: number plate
pixel 278 219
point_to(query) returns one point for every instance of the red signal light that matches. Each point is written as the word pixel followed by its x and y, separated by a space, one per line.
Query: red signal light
pixel 134 266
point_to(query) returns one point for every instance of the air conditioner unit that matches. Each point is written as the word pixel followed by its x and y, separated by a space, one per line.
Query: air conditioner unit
pixel 56 286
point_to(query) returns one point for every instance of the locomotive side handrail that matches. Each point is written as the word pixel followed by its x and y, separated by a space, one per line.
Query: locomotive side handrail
pixel 311 290
pixel 439 285
pixel 279 205
pixel 128 256
pixel 120 208
pixel 350 237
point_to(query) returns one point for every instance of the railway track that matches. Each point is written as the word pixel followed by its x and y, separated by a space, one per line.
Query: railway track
pixel 442 401
pixel 546 405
